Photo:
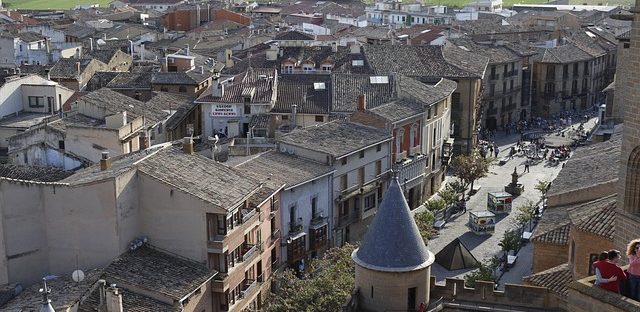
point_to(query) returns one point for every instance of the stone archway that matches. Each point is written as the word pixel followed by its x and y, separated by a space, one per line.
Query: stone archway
pixel 632 183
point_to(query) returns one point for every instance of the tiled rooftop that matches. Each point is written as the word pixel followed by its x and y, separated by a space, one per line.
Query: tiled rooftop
pixel 496 54
pixel 556 279
pixel 345 89
pixel 596 217
pixel 589 166
pixel 268 167
pixel 114 102
pixel 126 80
pixel 221 186
pixel 446 61
pixel 131 302
pixel 258 83
pixel 158 272
pixel 556 236
pixel 103 56
pixel 32 173
pixel 311 94
pixel 119 165
pixel 67 68
pixel 336 138
pixel 64 293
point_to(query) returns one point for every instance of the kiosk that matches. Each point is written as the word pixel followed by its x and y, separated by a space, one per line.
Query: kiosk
pixel 482 222
pixel 499 202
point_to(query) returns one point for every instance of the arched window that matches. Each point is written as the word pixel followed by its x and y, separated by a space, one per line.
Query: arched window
pixel 632 183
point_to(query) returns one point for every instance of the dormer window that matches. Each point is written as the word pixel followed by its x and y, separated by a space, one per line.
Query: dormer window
pixel 327 67
pixel 307 67
pixel 288 68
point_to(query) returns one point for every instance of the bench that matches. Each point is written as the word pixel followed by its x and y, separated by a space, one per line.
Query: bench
pixel 438 225
pixel 503 160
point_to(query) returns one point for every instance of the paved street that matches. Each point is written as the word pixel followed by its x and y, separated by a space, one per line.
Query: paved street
pixel 484 247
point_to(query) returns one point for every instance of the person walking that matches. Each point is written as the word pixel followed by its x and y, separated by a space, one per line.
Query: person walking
pixel 496 149
pixel 526 166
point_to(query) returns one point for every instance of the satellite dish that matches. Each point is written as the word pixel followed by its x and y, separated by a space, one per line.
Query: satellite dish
pixel 283 149
pixel 77 276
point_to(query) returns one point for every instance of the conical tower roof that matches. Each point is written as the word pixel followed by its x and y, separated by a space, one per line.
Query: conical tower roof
pixel 393 242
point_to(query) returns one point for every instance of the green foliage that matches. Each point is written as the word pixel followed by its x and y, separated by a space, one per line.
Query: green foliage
pixel 435 204
pixel 543 186
pixel 484 272
pixel 449 196
pixel 510 241
pixel 326 290
pixel 469 168
pixel 456 186
pixel 424 220
pixel 526 212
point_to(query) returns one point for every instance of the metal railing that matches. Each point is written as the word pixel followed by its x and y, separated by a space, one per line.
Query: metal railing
pixel 250 251
pixel 295 227
pixel 248 213
pixel 249 285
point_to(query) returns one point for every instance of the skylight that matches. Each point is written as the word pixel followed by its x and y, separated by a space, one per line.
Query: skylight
pixel 319 86
pixel 379 79
pixel 357 63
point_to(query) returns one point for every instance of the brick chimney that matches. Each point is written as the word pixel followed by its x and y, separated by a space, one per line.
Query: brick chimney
pixel 187 145
pixel 105 161
pixel 144 140
pixel 114 299
pixel 362 103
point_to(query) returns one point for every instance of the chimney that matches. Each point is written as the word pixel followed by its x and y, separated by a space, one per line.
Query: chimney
pixel 144 140
pixel 228 58
pixel 362 103
pixel 187 145
pixel 294 114
pixel 218 89
pixel 187 50
pixel 105 161
pixel 78 68
pixel 202 70
pixel 114 299
pixel 354 48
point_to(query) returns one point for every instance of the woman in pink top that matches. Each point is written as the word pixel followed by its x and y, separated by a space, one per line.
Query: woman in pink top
pixel 633 272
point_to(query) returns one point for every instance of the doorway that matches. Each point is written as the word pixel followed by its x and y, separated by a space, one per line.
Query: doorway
pixel 411 299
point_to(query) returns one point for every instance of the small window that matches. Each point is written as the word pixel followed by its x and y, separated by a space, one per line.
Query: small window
pixel 361 154
pixel 344 161
pixel 182 89
pixel 379 147
pixel 285 117
pixel 36 101
pixel 378 167
pixel 370 202
pixel 319 118
pixel 61 144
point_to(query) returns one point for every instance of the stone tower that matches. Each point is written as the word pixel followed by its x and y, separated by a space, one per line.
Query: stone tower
pixel 628 207
pixel 393 265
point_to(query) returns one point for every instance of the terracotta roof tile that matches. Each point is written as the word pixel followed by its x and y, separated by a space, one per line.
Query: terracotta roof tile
pixel 555 279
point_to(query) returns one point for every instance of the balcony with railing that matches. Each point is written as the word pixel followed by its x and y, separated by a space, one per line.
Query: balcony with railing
pixel 248 252
pixel 447 149
pixel 275 236
pixel 249 286
pixel 317 219
pixel 295 227
pixel 411 170
pixel 353 216
pixel 235 236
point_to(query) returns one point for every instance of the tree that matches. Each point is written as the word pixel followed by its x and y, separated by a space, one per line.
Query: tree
pixel 435 204
pixel 486 271
pixel 456 186
pixel 543 186
pixel 469 168
pixel 449 196
pixel 424 220
pixel 526 212
pixel 327 289
pixel 510 241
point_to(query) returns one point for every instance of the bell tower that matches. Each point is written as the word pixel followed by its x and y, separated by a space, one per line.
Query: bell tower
pixel 627 79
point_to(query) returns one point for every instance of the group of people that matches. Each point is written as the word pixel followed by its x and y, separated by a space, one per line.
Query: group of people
pixel 489 149
pixel 611 277
pixel 561 153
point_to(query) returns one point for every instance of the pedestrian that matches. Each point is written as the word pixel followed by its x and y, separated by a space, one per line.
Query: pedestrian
pixel 497 150
pixel 599 279
pixel 421 307
pixel 526 166
pixel 609 269
pixel 633 272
